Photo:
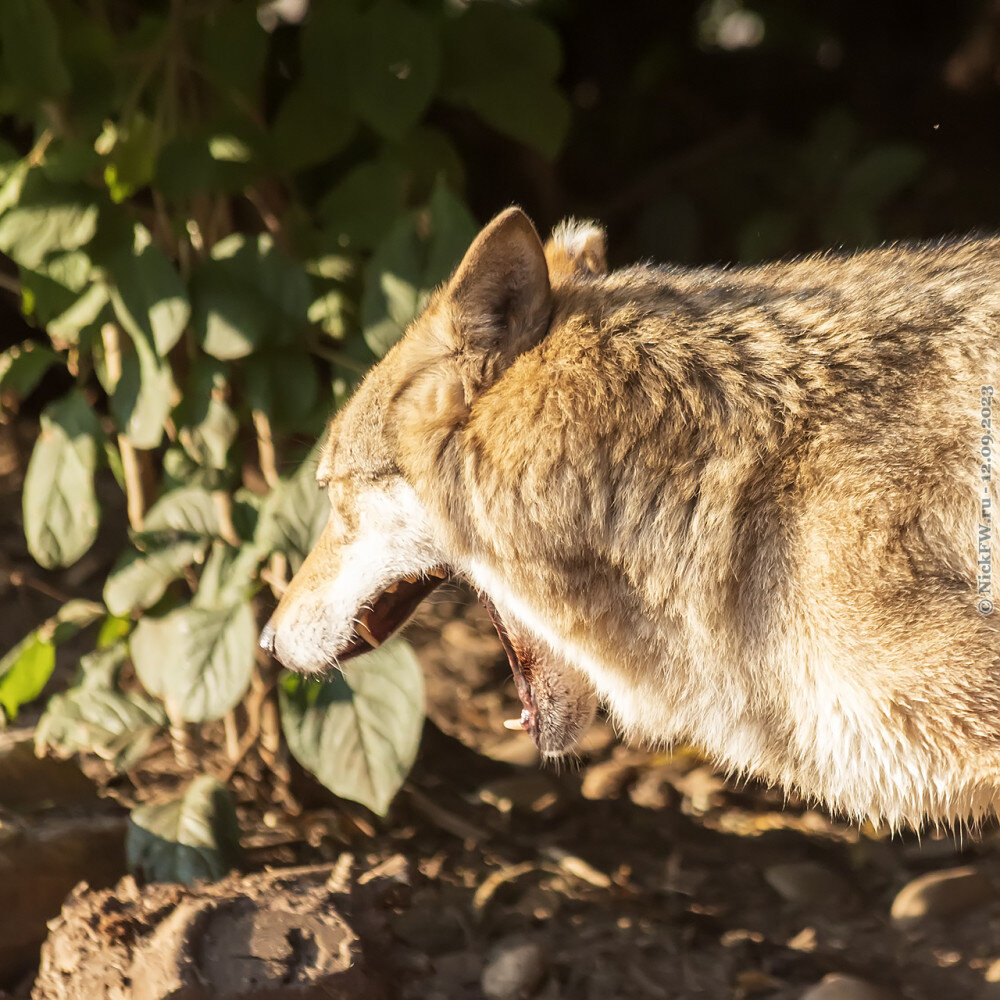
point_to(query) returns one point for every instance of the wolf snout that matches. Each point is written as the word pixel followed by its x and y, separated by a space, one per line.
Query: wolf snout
pixel 266 640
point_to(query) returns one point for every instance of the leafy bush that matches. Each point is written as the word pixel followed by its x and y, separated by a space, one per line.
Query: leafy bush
pixel 218 228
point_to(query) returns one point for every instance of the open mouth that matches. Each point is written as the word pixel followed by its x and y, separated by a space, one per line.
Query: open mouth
pixel 386 613
pixel 383 615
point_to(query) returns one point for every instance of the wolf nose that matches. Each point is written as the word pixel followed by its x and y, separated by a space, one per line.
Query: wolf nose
pixel 266 640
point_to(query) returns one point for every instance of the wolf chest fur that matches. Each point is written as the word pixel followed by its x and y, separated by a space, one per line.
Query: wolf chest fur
pixel 738 507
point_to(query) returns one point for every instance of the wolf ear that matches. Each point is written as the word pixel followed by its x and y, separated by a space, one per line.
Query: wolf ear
pixel 577 249
pixel 500 295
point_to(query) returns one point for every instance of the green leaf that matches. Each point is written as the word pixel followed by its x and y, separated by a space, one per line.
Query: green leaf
pixel 140 578
pixel 284 385
pixel 228 576
pixel 395 62
pixel 205 424
pixel 248 294
pixel 407 265
pixel 198 660
pixel 65 329
pixel 61 513
pixel 490 40
pixel 881 173
pixel 232 46
pixel 363 206
pixel 94 719
pixel 192 837
pixel 188 512
pixel 24 672
pixel 294 515
pixel 22 367
pixel 147 294
pixel 358 732
pixel 522 107
pixel 46 223
pixel 132 156
pixel 141 400
pixel 296 143
pixel 31 55
pixel 502 63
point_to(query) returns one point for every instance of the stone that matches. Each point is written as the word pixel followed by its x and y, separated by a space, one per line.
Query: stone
pixel 515 970
pixel 608 779
pixel 807 883
pixel 840 987
pixel 257 937
pixel 943 893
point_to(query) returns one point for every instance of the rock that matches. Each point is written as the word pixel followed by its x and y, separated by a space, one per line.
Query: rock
pixel 942 893
pixel 807 883
pixel 654 789
pixel 515 970
pixel 388 884
pixel 258 937
pixel 839 987
pixel 608 779
pixel 41 859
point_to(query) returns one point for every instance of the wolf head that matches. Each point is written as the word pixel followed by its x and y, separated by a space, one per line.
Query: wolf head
pixel 408 509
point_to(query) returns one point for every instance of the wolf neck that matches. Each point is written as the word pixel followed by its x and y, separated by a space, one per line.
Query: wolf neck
pixel 630 491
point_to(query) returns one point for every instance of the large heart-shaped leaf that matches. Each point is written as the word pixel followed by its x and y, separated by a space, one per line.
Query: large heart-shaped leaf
pixel 141 398
pixel 60 506
pixel 198 660
pixel 358 732
pixel 395 64
pixel 31 56
pixel 140 578
pixel 185 513
pixel 192 837
pixel 147 294
pixel 117 727
pixel 248 293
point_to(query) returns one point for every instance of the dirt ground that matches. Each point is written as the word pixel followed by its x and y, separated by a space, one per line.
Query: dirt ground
pixel 623 874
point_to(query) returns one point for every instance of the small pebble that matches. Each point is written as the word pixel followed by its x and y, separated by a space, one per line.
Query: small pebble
pixel 942 893
pixel 839 987
pixel 515 971
pixel 807 883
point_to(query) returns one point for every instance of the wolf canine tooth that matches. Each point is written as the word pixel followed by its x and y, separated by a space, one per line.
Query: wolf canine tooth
pixel 513 724
pixel 361 625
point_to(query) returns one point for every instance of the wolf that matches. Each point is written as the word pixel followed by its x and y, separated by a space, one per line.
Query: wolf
pixel 745 507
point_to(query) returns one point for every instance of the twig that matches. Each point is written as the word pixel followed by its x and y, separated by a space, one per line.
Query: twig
pixel 265 448
pixel 232 736
pixel 446 820
pixel 223 504
pixel 180 738
pixel 18 578
pixel 37 154
pixel 135 500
